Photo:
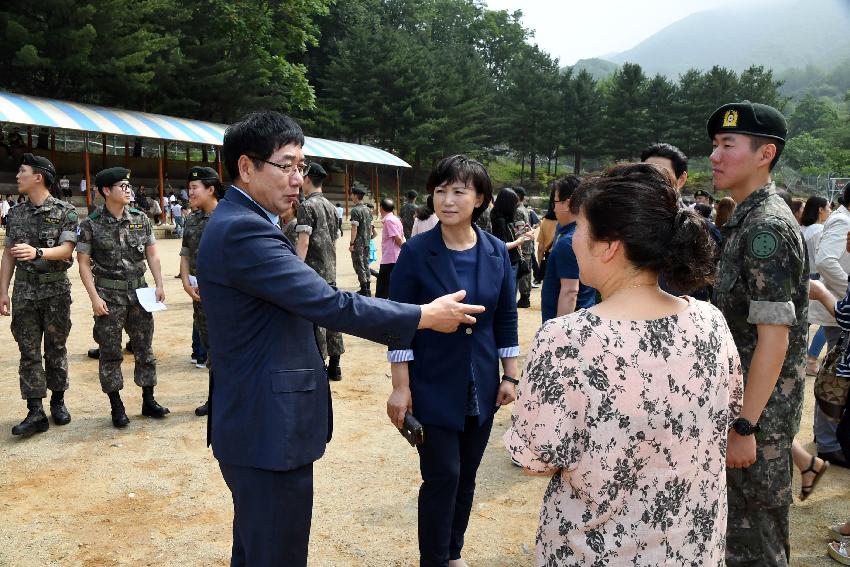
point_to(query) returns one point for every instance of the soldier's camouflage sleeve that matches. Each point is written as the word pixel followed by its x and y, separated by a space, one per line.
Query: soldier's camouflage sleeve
pixel 151 239
pixel 84 239
pixel 771 257
pixel 355 218
pixel 69 227
pixel 306 219
pixel 187 234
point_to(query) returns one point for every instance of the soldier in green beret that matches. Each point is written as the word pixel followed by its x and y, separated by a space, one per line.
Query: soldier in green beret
pixel 205 190
pixel 362 232
pixel 40 236
pixel 114 243
pixel 762 290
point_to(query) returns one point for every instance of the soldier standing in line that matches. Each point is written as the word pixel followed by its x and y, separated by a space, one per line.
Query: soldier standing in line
pixel 407 213
pixel 114 243
pixel 522 222
pixel 362 232
pixel 205 190
pixel 316 230
pixel 762 290
pixel 40 237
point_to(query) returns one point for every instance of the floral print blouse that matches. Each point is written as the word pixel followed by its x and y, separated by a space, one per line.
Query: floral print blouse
pixel 632 419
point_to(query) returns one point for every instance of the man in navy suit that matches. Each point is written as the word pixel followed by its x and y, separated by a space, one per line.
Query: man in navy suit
pixel 270 413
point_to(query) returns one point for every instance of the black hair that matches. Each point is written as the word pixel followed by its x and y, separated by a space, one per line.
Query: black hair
pixel 676 156
pixel 758 141
pixel 258 135
pixel 811 210
pixel 411 195
pixel 550 208
pixel 218 190
pixel 317 180
pixel 520 192
pixel 566 187
pixel 845 195
pixel 387 205
pixel 505 205
pixel 466 170
pixel 703 209
pixel 637 205
pixel 424 212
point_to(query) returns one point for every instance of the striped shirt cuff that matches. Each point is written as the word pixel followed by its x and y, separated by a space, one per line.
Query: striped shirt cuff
pixel 509 352
pixel 400 355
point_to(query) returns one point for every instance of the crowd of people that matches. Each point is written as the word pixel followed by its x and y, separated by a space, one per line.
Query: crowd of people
pixel 662 393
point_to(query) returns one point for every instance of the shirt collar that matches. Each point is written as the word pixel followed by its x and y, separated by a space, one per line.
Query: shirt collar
pixel 566 228
pixel 748 204
pixel 273 218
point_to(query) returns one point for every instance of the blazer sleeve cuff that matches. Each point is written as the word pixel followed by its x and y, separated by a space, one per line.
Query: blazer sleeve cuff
pixel 509 352
pixel 400 355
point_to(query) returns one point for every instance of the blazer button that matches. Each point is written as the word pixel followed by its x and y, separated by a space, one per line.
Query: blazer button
pixel 469 330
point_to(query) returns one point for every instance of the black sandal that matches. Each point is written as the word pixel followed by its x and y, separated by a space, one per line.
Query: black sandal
pixel 806 490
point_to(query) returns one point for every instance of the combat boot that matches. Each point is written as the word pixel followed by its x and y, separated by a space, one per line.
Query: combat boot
pixel 334 371
pixel 524 301
pixel 150 407
pixel 94 353
pixel 203 409
pixel 119 414
pixel 58 411
pixel 35 421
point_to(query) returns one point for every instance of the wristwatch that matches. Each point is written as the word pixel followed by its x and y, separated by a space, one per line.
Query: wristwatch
pixel 743 427
pixel 39 252
pixel 513 381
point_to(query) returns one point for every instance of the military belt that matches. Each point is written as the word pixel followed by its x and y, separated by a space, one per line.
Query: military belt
pixel 34 278
pixel 122 285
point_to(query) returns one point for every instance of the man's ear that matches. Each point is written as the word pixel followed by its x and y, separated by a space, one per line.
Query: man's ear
pixel 682 180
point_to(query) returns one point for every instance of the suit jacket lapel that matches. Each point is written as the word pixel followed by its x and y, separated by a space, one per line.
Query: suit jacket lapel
pixel 490 269
pixel 440 262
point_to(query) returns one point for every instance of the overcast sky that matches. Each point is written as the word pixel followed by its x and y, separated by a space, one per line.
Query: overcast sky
pixel 578 29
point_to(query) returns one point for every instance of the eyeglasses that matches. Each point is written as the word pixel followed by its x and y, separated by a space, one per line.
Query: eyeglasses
pixel 287 168
pixel 124 186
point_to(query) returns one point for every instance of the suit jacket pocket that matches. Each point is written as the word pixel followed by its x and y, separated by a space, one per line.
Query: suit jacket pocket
pixel 288 381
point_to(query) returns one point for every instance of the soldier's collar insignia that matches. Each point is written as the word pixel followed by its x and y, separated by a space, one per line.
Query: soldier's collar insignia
pixel 730 119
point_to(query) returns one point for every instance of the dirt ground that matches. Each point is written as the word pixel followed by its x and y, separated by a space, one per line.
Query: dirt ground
pixel 151 494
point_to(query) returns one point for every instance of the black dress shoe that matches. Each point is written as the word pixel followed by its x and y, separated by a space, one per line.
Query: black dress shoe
pixel 94 353
pixel 834 457
pixel 203 409
pixel 34 422
pixel 151 408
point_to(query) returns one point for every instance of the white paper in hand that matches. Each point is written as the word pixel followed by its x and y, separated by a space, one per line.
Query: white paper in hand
pixel 193 281
pixel 147 299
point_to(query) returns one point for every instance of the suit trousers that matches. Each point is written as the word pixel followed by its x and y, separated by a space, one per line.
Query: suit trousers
pixel 448 461
pixel 272 511
pixel 382 288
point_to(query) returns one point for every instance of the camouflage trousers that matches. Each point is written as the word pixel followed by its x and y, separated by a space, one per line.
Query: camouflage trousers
pixel 329 342
pixel 758 530
pixel 199 318
pixel 360 260
pixel 523 284
pixel 31 320
pixel 107 333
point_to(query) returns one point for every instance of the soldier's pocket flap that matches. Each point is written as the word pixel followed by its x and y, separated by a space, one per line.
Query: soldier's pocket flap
pixel 105 243
pixel 285 381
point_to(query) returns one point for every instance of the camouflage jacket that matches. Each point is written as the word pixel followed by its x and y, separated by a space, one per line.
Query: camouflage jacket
pixel 407 214
pixel 317 218
pixel 361 221
pixel 192 232
pixel 289 231
pixel 522 221
pixel 483 221
pixel 763 279
pixel 47 226
pixel 117 248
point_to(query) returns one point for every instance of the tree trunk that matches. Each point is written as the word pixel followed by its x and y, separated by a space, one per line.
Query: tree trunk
pixel 556 165
pixel 577 165
pixel 522 170
pixel 533 173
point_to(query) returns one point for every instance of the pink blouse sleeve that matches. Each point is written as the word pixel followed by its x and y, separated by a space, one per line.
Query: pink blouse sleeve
pixel 547 431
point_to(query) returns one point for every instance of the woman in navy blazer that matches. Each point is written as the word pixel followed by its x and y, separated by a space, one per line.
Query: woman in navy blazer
pixel 451 383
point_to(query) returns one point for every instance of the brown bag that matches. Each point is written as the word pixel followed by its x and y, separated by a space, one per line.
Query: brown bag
pixel 831 389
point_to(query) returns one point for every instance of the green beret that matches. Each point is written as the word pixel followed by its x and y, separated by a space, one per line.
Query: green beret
pixel 38 162
pixel 749 118
pixel 199 173
pixel 111 176
pixel 359 191
pixel 315 169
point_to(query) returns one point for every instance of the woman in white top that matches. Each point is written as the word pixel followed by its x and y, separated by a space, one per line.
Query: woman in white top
pixel 815 212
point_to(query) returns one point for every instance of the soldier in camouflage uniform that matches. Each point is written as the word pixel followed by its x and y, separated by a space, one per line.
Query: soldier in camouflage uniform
pixel 114 243
pixel 407 213
pixel 317 231
pixel 483 222
pixel 762 290
pixel 205 190
pixel 522 224
pixel 362 232
pixel 40 236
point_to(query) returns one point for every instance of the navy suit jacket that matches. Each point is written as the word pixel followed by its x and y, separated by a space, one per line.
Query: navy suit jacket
pixel 440 371
pixel 271 406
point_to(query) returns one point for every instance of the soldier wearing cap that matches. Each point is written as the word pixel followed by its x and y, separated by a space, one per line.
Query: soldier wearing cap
pixel 362 233
pixel 701 196
pixel 205 190
pixel 316 230
pixel 762 290
pixel 40 236
pixel 114 243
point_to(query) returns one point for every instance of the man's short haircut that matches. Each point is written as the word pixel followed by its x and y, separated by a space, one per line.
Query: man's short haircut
pixel 258 135
pixel 317 180
pixel 411 195
pixel 758 141
pixel 564 189
pixel 387 205
pixel 676 156
pixel 465 170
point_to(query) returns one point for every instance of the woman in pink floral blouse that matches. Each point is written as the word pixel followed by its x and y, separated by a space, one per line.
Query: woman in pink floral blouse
pixel 628 404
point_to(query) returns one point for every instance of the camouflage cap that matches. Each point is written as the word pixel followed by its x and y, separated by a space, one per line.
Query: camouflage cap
pixel 749 118
pixel 38 162
pixel 200 173
pixel 111 176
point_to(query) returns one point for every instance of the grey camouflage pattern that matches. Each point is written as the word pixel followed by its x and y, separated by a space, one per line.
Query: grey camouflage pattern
pixel 32 320
pixel 407 214
pixel 317 217
pixel 192 232
pixel 107 334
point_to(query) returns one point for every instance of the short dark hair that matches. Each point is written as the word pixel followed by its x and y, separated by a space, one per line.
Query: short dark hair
pixel 411 195
pixel 758 141
pixel 387 205
pixel 676 156
pixel 637 205
pixel 466 170
pixel 565 188
pixel 424 212
pixel 317 180
pixel 258 135
pixel 811 210
pixel 505 205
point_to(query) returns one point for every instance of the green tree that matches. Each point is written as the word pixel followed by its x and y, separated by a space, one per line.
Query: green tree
pixel 660 104
pixel 627 127
pixel 812 115
pixel 583 118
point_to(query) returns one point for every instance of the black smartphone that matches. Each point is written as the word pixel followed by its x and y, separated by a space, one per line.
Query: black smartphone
pixel 412 430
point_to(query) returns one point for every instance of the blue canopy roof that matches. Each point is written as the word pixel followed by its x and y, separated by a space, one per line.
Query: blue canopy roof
pixel 36 111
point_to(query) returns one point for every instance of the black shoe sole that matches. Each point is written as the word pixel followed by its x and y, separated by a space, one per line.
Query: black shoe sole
pixel 39 427
pixel 63 421
pixel 121 424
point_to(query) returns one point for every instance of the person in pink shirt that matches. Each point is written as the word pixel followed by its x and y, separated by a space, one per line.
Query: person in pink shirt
pixel 392 237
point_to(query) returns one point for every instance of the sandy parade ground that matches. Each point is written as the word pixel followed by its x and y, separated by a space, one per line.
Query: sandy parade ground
pixel 151 494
